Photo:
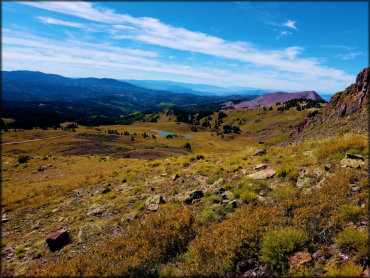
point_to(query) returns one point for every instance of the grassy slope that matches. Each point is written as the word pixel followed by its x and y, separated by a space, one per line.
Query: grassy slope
pixel 59 196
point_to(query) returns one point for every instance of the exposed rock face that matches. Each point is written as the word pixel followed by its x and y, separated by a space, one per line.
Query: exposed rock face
pixel 154 200
pixel 58 240
pixel 260 167
pixel 342 108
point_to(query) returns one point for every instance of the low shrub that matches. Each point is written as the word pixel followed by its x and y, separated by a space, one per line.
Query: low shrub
pixel 346 269
pixel 278 245
pixel 23 158
pixel 248 196
pixel 353 241
pixel 207 217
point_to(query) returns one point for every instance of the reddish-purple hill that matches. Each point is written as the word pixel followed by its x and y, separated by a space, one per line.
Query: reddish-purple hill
pixel 273 98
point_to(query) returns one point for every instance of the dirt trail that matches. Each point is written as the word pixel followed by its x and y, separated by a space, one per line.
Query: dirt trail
pixel 25 141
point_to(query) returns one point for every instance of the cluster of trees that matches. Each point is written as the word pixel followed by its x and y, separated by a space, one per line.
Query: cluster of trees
pixel 297 103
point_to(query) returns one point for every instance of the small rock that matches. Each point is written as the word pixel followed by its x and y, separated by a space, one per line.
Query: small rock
pixel 300 258
pixel 264 174
pixel 199 156
pixel 4 219
pixel 228 195
pixel 260 167
pixel 316 254
pixel 219 182
pixel 123 180
pixel 42 168
pixel 355 188
pixel 175 177
pixel 365 273
pixel 351 225
pixel 197 194
pixel 95 210
pixel 58 240
pixel 60 219
pixel 153 207
pixel 164 175
pixel 303 179
pixel 260 152
pixel 155 199
pixel 352 163
pixel 220 191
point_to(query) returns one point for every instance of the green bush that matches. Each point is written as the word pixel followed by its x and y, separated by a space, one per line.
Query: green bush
pixel 287 171
pixel 22 158
pixel 19 252
pixel 278 245
pixel 207 216
pixel 351 213
pixel 248 196
pixel 353 241
pixel 154 163
pixel 346 269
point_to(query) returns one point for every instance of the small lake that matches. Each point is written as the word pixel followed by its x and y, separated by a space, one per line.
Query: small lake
pixel 165 133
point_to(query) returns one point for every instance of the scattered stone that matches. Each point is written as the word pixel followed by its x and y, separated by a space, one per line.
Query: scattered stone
pixel 300 258
pixel 155 199
pixel 123 180
pixel 352 161
pixel 316 254
pixel 95 210
pixel 58 240
pixel 164 175
pixel 329 167
pixel 264 174
pixel 199 156
pixel 153 207
pixel 219 182
pixel 260 167
pixel 60 219
pixel 175 177
pixel 260 152
pixel 197 194
pixel 228 195
pixel 303 179
pixel 43 168
pixel 4 218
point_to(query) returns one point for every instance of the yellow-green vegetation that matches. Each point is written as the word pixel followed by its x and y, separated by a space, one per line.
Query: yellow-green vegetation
pixel 151 207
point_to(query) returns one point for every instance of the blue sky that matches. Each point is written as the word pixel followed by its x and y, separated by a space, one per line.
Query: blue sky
pixel 289 46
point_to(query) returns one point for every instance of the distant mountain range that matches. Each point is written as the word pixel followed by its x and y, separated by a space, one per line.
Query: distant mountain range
pixel 273 98
pixel 197 89
pixel 38 86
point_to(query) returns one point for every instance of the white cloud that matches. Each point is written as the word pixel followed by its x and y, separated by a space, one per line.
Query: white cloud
pixel 50 20
pixel 290 24
pixel 148 30
pixel 349 56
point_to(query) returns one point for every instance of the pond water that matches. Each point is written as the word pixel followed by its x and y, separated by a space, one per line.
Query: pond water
pixel 165 133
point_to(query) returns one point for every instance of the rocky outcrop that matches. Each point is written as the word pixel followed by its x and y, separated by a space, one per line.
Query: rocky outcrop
pixel 340 111
pixel 58 240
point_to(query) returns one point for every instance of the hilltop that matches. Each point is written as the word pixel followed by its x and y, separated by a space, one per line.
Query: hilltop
pixel 272 99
